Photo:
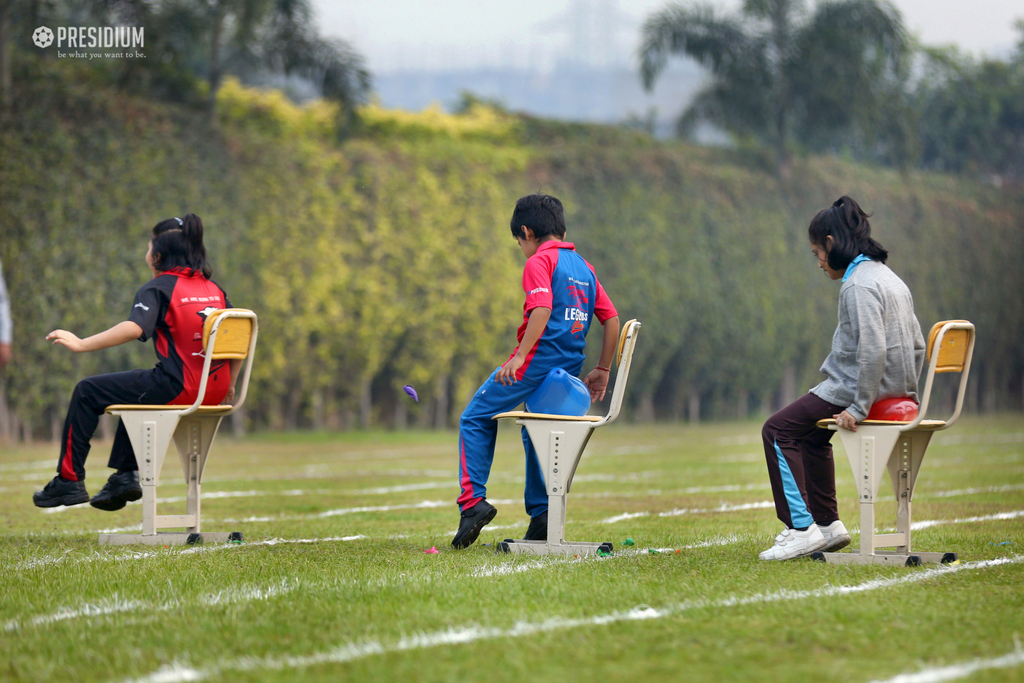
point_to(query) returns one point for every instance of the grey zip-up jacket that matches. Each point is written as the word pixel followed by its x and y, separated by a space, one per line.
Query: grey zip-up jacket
pixel 878 349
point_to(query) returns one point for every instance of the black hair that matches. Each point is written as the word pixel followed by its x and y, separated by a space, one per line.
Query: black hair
pixel 850 230
pixel 178 243
pixel 541 213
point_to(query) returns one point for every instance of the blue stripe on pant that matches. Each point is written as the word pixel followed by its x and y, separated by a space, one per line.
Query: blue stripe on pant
pixel 477 435
pixel 798 512
pixel 800 463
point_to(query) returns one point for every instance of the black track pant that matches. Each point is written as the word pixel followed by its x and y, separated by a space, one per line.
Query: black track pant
pixel 800 464
pixel 91 398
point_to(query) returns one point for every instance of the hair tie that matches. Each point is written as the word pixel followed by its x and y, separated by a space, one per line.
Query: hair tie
pixel 180 222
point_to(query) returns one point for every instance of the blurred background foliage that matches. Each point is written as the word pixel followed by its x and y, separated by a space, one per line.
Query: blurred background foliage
pixel 374 243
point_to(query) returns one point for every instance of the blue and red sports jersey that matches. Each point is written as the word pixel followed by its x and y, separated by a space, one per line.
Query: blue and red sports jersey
pixel 558 278
pixel 171 309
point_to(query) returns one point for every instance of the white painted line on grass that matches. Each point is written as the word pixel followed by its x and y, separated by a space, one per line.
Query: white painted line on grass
pixel 999 516
pixel 726 507
pixel 117 605
pixel 212 495
pixel 148 554
pixel 178 672
pixel 504 569
pixel 450 483
pixel 623 517
pixel 973 491
pixel 958 671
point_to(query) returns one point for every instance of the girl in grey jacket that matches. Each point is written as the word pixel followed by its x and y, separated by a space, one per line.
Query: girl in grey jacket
pixel 877 353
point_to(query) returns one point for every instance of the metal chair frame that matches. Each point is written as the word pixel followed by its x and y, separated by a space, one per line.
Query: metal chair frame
pixel 192 428
pixel 899 447
pixel 560 441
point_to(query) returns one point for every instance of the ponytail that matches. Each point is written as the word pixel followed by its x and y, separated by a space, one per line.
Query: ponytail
pixel 178 243
pixel 850 230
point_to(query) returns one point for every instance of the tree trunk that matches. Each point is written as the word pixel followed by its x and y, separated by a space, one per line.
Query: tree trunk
pixel 238 422
pixel 693 407
pixel 291 409
pixel 319 409
pixel 6 84
pixel 788 385
pixel 742 399
pixel 645 410
pixel 441 408
pixel 6 428
pixel 215 73
pixel 401 415
pixel 366 403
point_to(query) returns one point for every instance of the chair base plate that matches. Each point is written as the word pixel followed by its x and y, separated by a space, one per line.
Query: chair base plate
pixel 886 557
pixel 580 549
pixel 166 538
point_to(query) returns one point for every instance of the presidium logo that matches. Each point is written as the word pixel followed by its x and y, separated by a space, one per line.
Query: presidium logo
pixel 42 37
pixel 93 37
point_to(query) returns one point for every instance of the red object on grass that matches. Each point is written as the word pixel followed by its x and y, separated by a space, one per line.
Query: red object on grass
pixel 894 410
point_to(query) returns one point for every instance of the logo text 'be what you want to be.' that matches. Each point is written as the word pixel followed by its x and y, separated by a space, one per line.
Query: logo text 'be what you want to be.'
pixel 126 38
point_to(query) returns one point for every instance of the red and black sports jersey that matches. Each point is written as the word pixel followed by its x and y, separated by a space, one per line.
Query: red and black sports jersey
pixel 171 309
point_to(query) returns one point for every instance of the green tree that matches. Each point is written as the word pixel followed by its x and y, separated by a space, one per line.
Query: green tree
pixel 825 79
pixel 971 113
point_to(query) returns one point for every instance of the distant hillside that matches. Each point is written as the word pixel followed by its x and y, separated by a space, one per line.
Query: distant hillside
pixel 610 94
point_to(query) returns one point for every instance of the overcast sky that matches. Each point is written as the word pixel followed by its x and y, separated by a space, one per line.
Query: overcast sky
pixel 403 33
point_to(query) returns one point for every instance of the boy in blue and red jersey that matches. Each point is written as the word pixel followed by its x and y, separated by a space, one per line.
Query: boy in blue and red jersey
pixel 563 296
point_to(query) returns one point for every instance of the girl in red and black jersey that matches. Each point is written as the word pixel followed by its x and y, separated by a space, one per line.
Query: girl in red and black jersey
pixel 170 309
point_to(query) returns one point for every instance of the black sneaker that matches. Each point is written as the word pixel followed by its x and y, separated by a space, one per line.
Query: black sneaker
pixel 120 488
pixel 473 520
pixel 538 530
pixel 60 491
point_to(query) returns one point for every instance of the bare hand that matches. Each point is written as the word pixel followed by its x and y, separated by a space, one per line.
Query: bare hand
pixel 5 354
pixel 507 374
pixel 230 396
pixel 846 421
pixel 597 382
pixel 66 339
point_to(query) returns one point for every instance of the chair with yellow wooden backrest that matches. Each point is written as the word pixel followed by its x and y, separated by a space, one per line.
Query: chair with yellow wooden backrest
pixel 228 334
pixel 560 441
pixel 899 446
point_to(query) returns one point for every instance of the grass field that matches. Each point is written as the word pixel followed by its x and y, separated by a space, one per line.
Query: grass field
pixel 332 582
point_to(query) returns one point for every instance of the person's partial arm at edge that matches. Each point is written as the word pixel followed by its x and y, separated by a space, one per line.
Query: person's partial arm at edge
pixel 120 333
pixel 597 379
pixel 539 317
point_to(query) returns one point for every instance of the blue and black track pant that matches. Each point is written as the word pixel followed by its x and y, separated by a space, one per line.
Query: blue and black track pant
pixel 800 464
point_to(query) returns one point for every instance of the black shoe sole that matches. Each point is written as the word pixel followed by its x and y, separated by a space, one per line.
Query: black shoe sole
pixel 115 502
pixel 474 531
pixel 67 501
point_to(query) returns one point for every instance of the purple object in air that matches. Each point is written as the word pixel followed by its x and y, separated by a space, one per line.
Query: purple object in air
pixel 412 392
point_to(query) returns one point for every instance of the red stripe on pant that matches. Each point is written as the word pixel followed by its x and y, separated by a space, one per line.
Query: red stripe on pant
pixel 467 499
pixel 66 469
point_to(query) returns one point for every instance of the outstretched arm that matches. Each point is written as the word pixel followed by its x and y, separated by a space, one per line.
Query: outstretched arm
pixel 116 335
pixel 534 329
pixel 597 379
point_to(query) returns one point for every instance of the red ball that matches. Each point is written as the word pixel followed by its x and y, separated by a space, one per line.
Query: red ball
pixel 902 409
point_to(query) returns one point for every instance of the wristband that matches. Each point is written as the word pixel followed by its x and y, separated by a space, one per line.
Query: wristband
pixel 600 368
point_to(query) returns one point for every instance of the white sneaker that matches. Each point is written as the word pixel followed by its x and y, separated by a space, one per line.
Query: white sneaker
pixel 836 536
pixel 791 544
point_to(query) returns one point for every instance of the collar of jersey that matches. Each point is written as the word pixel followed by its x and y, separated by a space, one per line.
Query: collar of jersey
pixel 853 264
pixel 556 245
pixel 181 272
